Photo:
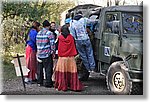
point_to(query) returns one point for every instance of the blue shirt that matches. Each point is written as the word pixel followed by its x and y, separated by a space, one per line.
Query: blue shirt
pixel 32 39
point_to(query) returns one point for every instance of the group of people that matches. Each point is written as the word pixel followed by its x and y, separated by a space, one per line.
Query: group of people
pixel 46 44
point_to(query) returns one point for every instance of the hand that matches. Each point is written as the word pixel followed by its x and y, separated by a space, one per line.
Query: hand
pixel 39 60
pixel 53 55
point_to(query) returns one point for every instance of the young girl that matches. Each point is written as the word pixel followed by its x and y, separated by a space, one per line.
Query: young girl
pixel 66 69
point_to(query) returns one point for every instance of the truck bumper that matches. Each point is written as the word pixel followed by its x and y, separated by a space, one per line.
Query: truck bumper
pixel 136 76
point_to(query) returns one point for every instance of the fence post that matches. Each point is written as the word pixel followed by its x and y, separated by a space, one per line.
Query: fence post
pixel 18 57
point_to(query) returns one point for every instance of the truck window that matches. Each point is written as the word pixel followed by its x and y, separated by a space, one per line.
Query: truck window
pixel 112 23
pixel 132 23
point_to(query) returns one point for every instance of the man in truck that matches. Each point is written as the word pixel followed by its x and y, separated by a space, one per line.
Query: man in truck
pixel 83 43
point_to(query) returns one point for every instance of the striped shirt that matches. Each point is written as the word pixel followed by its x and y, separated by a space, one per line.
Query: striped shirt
pixel 45 43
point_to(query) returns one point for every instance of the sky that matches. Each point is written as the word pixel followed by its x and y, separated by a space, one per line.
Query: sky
pixel 103 2
pixel 81 2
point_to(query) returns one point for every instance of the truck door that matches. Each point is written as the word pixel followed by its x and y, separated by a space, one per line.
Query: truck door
pixel 110 36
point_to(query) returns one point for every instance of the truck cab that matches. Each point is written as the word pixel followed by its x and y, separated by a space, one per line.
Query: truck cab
pixel 118 50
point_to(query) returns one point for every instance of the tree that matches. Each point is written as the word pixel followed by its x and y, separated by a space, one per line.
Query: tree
pixel 17 18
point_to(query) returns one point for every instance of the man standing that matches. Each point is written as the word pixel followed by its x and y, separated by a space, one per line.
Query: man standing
pixel 45 50
pixel 83 44
pixel 56 34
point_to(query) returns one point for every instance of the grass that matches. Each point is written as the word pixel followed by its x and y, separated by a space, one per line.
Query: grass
pixel 9 71
pixel 7 67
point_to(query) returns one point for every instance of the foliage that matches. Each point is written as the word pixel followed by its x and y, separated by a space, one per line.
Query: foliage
pixel 17 18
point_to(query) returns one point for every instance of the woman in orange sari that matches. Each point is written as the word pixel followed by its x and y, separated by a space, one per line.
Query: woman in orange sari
pixel 66 69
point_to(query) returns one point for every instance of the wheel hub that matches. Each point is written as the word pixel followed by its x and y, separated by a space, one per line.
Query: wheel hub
pixel 118 81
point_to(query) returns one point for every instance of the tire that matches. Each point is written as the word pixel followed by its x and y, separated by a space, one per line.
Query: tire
pixel 118 79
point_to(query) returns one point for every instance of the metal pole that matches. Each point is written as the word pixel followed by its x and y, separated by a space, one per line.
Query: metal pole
pixel 18 57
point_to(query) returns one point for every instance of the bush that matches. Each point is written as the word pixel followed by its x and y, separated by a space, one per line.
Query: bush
pixel 6 58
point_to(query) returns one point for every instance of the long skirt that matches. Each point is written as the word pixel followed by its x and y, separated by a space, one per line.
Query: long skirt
pixel 54 67
pixel 66 75
pixel 31 62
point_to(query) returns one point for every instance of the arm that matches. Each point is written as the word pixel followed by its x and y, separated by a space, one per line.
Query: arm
pixel 33 36
pixel 91 20
pixel 52 42
pixel 72 31
pixel 92 24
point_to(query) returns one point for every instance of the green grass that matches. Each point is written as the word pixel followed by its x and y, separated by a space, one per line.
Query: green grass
pixel 9 71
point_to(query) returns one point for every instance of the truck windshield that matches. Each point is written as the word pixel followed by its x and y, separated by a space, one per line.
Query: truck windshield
pixel 132 23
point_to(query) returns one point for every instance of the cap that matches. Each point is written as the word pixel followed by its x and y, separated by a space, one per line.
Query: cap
pixel 67 20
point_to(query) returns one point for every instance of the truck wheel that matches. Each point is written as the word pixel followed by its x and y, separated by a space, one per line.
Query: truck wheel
pixel 118 79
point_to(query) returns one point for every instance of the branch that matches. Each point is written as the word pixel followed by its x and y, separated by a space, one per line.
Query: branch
pixel 43 3
pixel 9 15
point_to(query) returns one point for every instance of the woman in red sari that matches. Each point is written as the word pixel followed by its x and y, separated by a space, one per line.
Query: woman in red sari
pixel 66 69
pixel 31 50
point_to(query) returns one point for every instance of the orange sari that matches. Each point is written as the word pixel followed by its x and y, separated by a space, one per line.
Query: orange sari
pixel 66 75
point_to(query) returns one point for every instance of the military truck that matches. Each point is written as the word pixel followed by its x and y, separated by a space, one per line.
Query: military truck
pixel 118 48
pixel 86 9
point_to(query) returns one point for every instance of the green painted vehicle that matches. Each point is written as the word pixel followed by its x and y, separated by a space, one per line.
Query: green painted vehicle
pixel 118 47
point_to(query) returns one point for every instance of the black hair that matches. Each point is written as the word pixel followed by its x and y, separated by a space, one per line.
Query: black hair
pixel 53 22
pixel 38 24
pixel 46 23
pixel 65 31
pixel 35 24
pixel 67 15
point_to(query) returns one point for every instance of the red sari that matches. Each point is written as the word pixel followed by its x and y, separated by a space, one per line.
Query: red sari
pixel 31 62
pixel 66 69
